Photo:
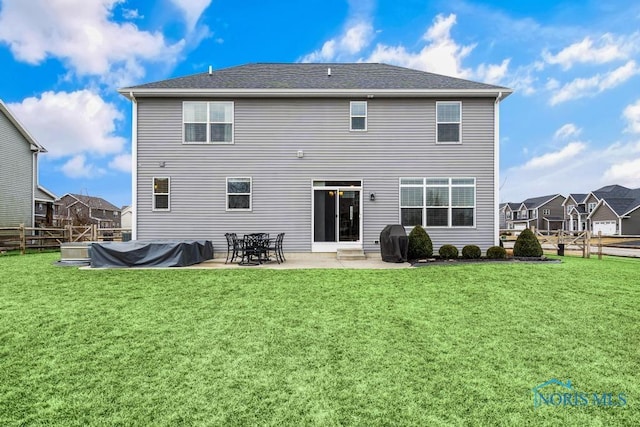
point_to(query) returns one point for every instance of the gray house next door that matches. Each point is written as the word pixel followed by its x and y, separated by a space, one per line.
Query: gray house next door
pixel 337 215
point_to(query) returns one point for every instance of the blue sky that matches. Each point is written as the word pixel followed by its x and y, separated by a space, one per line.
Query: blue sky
pixel 572 124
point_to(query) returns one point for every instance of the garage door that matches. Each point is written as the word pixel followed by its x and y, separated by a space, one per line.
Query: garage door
pixel 519 226
pixel 607 227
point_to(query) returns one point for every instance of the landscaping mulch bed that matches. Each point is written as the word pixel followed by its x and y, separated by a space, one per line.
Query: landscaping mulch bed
pixel 457 261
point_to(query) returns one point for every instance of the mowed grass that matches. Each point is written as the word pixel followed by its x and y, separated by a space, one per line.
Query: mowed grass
pixel 451 345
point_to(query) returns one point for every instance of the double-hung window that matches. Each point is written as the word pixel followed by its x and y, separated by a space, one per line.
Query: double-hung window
pixel 161 194
pixel 448 122
pixel 208 122
pixel 358 115
pixel 437 202
pixel 238 194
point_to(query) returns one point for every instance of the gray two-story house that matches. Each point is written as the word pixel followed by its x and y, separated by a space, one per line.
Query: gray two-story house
pixel 22 199
pixel 327 153
pixel 544 213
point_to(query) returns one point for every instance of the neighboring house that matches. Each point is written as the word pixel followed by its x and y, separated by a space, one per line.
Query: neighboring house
pixel 510 213
pixel 575 213
pixel 125 217
pixel 78 209
pixel 502 212
pixel 545 213
pixel 22 200
pixel 327 153
pixel 614 210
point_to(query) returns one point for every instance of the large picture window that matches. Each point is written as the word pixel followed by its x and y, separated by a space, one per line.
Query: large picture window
pixel 437 202
pixel 208 122
pixel 161 192
pixel 239 194
pixel 449 121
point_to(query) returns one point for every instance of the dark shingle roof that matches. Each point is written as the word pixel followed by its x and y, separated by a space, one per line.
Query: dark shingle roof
pixel 578 197
pixel 611 191
pixel 314 76
pixel 534 202
pixel 95 202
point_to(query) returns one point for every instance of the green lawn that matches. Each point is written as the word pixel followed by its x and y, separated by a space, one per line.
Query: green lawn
pixel 451 345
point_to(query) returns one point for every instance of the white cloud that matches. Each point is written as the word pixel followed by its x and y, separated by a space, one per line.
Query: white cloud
pixel 567 131
pixel 632 114
pixel 493 73
pixel 625 173
pixel 441 54
pixel 82 35
pixel 607 49
pixel 552 159
pixel 131 14
pixel 582 87
pixel 192 10
pixel 77 167
pixel 71 123
pixel 121 162
pixel 351 42
pixel 584 171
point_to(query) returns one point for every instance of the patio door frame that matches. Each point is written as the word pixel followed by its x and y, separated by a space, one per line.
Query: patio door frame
pixel 334 246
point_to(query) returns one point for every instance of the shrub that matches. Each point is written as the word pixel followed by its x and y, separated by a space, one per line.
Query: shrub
pixel 420 245
pixel 527 245
pixel 448 251
pixel 471 252
pixel 496 252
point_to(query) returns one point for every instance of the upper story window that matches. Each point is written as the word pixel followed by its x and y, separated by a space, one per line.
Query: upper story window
pixel 569 207
pixel 208 122
pixel 524 214
pixel 591 206
pixel 546 212
pixel 508 215
pixel 358 115
pixel 449 122
pixel 161 194
pixel 239 194
pixel 437 202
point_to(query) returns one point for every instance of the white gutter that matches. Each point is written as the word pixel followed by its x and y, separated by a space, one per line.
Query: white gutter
pixel 134 167
pixel 314 93
pixel 496 169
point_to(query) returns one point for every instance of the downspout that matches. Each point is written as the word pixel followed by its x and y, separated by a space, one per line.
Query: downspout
pixel 134 167
pixel 34 183
pixel 496 169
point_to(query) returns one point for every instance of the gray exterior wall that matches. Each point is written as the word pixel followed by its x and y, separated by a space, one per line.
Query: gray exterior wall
pixel 16 176
pixel 399 142
pixel 604 213
pixel 556 210
pixel 631 225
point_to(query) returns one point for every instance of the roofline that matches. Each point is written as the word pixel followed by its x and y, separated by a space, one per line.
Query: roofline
pixel 600 203
pixel 132 93
pixel 631 210
pixel 47 192
pixel 25 133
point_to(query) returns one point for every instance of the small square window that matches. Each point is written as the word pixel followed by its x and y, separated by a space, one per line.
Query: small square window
pixel 239 194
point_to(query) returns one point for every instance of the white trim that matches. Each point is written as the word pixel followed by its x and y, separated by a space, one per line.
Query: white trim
pixel 226 192
pixel 134 168
pixel 334 246
pixel 314 93
pixel 496 171
pixel 459 123
pixel 25 133
pixel 352 116
pixel 209 123
pixel 154 194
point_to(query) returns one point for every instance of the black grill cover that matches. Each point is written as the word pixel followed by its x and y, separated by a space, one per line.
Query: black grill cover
pixel 154 253
pixel 394 243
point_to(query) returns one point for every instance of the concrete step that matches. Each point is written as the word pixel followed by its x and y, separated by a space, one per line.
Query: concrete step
pixel 350 255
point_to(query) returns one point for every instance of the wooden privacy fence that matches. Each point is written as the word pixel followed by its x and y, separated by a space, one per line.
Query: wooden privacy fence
pixel 22 238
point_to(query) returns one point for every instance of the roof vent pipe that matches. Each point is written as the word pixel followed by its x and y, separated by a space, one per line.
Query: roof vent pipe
pixel 329 72
pixel 210 69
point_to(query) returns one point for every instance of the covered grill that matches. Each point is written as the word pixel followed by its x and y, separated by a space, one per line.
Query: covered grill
pixel 394 243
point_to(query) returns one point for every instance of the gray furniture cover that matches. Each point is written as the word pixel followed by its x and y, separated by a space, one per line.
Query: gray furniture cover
pixel 151 253
pixel 394 243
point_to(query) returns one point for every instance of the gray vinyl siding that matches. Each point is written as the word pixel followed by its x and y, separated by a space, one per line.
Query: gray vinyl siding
pixel 604 213
pixel 631 225
pixel 399 142
pixel 16 176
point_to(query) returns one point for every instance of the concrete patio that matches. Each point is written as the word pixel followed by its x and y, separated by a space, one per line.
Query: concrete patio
pixel 308 260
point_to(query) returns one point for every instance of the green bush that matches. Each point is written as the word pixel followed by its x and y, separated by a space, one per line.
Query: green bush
pixel 420 245
pixel 527 245
pixel 448 251
pixel 496 252
pixel 471 252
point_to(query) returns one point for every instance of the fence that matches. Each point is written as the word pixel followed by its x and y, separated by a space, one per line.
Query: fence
pixel 22 238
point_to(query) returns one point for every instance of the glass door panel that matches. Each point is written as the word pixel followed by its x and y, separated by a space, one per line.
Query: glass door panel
pixel 349 216
pixel 324 222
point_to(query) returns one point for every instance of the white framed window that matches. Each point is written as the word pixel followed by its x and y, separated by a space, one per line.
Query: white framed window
pixel 438 202
pixel 591 206
pixel 569 207
pixel 208 122
pixel 239 194
pixel 358 115
pixel 546 212
pixel 508 215
pixel 448 122
pixel 524 215
pixel 161 193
